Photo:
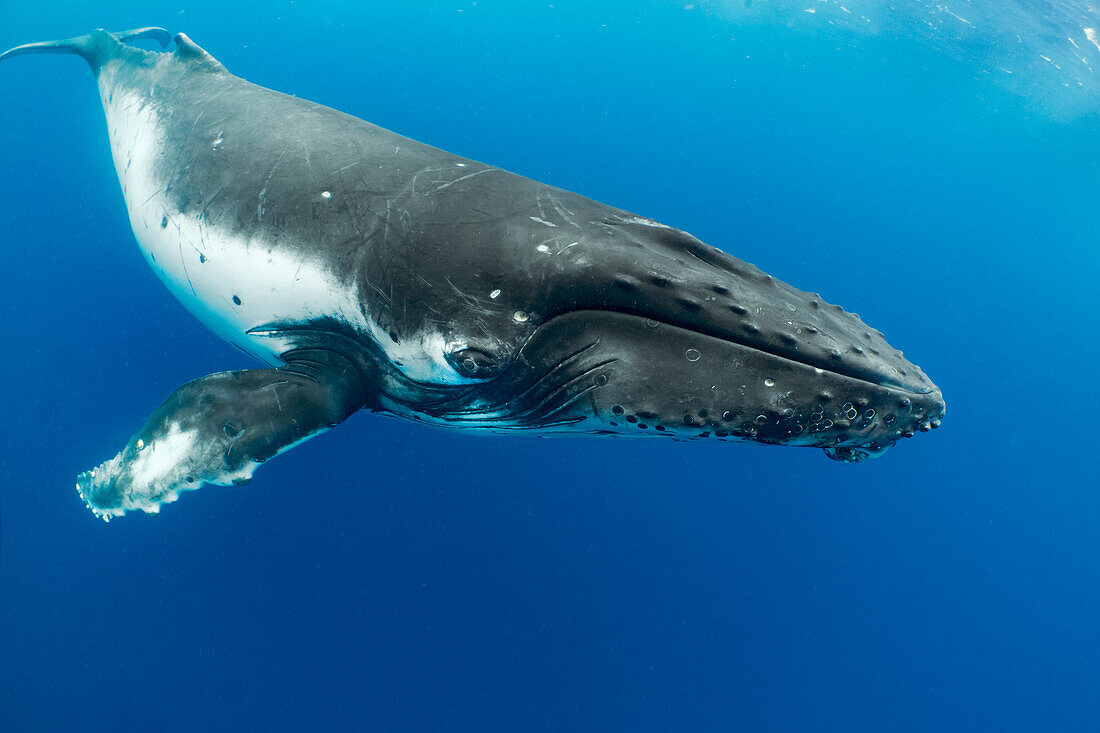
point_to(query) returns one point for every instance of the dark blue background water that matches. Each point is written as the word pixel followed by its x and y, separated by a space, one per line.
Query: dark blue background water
pixel 387 576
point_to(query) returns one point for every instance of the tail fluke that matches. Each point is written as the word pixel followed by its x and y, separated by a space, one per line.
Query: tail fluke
pixel 92 46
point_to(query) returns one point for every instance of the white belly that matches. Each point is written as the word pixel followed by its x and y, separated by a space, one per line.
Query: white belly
pixel 232 283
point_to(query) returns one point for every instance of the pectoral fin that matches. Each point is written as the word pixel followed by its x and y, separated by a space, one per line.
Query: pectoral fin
pixel 218 429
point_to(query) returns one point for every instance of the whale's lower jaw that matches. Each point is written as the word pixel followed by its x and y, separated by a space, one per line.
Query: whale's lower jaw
pixel 607 373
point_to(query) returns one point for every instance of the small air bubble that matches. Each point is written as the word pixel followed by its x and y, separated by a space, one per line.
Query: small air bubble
pixel 326 194
pixel 769 382
pixel 692 355
pixel 520 316
pixel 495 294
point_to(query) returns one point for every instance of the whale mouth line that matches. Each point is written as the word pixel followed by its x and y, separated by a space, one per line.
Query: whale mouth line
pixel 853 374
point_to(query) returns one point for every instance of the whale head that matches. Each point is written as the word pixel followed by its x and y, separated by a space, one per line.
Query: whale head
pixel 643 330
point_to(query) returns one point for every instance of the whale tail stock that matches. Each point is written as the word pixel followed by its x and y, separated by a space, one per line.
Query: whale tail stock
pixel 94 46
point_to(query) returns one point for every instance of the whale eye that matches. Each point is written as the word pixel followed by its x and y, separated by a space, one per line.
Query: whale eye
pixel 473 363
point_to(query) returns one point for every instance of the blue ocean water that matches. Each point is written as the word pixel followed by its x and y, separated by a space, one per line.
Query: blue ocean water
pixel 931 167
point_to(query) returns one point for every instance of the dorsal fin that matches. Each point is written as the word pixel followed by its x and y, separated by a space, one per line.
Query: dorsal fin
pixel 149 33
pixel 93 46
pixel 193 53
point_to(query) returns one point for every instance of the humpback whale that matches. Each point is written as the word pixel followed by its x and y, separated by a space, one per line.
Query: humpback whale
pixel 368 271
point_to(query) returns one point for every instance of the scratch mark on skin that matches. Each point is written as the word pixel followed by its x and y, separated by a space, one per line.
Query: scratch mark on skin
pixel 565 214
pixel 470 300
pixel 442 316
pixel 274 387
pixel 537 220
pixel 274 168
pixel 463 178
pixel 309 155
pixel 381 294
pixel 412 186
pixel 183 237
pixel 211 200
pixel 386 226
pixel 183 262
